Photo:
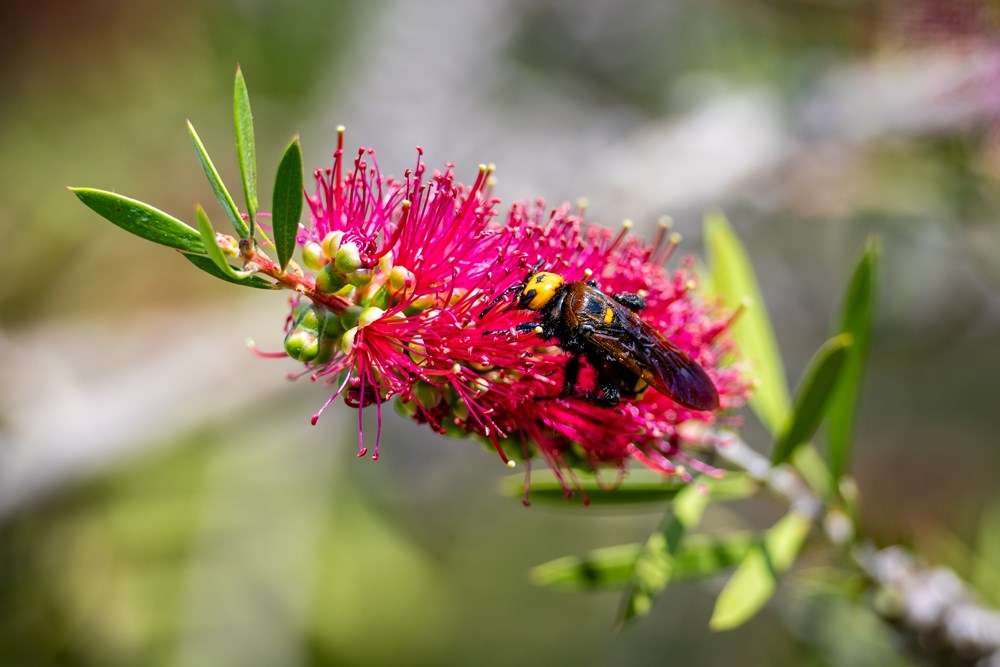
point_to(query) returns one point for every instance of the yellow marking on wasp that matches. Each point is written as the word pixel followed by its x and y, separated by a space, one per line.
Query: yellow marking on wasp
pixel 609 316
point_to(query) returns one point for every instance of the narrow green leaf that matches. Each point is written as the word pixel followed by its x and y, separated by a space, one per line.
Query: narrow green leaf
pixel 656 562
pixel 611 568
pixel 218 187
pixel 602 569
pixel 207 265
pixel 141 219
pixel 245 145
pixel 287 206
pixel 212 246
pixel 813 396
pixel 641 486
pixel 734 281
pixel 756 578
pixel 856 318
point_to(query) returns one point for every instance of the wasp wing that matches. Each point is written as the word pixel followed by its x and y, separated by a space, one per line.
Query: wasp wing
pixel 662 365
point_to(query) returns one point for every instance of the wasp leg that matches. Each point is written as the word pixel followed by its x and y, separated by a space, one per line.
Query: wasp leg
pixel 523 327
pixel 610 394
pixel 633 302
pixel 570 376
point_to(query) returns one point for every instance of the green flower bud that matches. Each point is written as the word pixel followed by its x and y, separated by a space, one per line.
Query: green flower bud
pixel 329 342
pixel 361 277
pixel 331 243
pixel 348 258
pixel 400 277
pixel 427 394
pixel 301 345
pixel 313 256
pixel 329 280
pixel 349 318
pixel 407 409
pixel 310 319
pixel 385 262
pixel 347 340
pixel 369 315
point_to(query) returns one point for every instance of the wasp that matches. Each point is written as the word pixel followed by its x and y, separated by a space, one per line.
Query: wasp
pixel 625 352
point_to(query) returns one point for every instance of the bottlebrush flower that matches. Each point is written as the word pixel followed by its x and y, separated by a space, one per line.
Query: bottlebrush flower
pixel 409 265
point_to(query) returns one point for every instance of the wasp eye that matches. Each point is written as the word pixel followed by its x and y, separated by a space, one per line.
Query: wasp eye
pixel 530 294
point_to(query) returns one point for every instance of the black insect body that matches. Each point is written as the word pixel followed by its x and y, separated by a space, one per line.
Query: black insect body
pixel 623 350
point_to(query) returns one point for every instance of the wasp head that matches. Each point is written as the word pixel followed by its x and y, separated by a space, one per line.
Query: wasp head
pixel 539 289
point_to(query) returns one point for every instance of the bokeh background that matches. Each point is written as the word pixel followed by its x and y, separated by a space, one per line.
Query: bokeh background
pixel 163 498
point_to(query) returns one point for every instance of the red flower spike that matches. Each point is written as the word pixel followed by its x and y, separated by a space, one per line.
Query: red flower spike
pixel 423 258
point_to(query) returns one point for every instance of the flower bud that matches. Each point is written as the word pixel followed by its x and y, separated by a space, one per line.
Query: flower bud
pixel 347 258
pixel 361 277
pixel 329 341
pixel 400 277
pixel 427 394
pixel 406 408
pixel 350 316
pixel 313 256
pixel 331 243
pixel 301 345
pixel 369 315
pixel 347 340
pixel 309 319
pixel 329 280
pixel 385 262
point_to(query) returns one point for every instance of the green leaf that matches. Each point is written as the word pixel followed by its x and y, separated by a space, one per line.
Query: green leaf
pixel 245 145
pixel 656 564
pixel 214 250
pixel 141 219
pixel 602 569
pixel 287 206
pixel 756 578
pixel 813 397
pixel 218 187
pixel 209 266
pixel 641 486
pixel 734 281
pixel 611 568
pixel 856 319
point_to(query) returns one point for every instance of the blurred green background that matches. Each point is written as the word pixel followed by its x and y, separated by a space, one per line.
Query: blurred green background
pixel 163 499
